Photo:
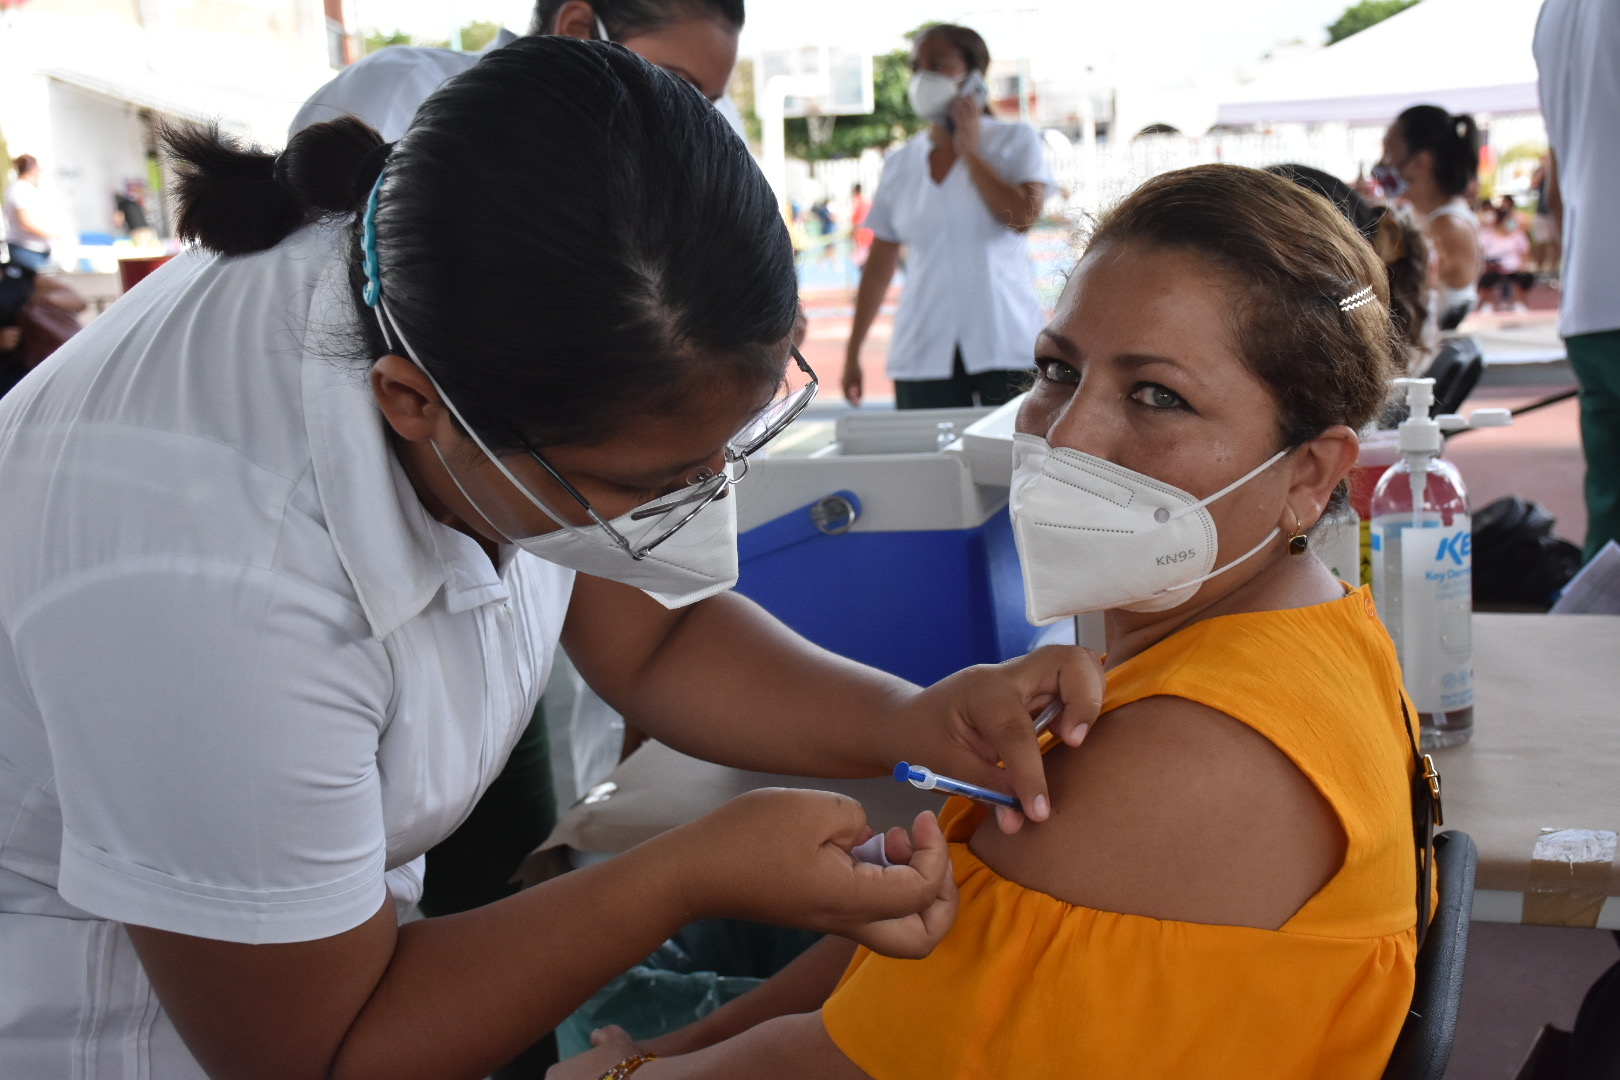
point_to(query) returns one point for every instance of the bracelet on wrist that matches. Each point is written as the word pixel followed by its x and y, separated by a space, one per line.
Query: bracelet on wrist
pixel 628 1066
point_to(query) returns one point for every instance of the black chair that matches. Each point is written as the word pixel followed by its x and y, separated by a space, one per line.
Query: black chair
pixel 1456 370
pixel 1424 1045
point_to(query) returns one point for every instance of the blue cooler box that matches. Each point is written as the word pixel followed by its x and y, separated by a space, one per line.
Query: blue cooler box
pixel 887 550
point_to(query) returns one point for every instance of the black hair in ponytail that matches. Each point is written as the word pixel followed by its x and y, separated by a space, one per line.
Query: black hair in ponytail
pixel 236 199
pixel 569 237
pixel 1452 140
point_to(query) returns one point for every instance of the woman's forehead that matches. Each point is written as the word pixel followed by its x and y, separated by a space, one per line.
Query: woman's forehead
pixel 1127 299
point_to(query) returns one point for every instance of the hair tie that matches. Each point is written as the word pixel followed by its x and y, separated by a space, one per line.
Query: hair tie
pixel 278 169
pixel 1359 298
pixel 368 244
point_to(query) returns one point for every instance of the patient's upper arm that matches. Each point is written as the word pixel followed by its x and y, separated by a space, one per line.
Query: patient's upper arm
pixel 1174 810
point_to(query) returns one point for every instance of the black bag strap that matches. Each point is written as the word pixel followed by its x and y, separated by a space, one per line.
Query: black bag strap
pixel 1426 817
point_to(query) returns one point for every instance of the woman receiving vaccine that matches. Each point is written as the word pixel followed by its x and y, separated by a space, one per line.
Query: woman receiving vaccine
pixel 959 199
pixel 1231 885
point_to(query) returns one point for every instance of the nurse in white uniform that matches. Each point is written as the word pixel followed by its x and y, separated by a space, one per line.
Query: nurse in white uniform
pixel 291 533
pixel 958 198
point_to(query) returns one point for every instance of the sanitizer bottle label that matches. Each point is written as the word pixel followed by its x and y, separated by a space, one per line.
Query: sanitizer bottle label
pixel 1436 640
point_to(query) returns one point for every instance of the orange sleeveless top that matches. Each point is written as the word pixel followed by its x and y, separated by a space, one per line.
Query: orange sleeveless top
pixel 1025 986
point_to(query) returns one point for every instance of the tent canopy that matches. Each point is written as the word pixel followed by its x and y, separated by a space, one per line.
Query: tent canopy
pixel 1468 56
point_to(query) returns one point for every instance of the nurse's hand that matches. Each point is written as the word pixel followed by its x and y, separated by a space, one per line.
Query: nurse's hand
pixel 782 856
pixel 966 723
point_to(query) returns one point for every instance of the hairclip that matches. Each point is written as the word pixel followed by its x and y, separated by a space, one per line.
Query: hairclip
pixel 368 244
pixel 1357 299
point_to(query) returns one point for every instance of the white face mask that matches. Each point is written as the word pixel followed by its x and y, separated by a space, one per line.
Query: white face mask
pixel 1095 536
pixel 693 563
pixel 931 93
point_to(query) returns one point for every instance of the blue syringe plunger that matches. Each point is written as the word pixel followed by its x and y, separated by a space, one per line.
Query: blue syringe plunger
pixel 928 780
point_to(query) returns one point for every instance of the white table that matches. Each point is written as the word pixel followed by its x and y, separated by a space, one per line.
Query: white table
pixel 1538 786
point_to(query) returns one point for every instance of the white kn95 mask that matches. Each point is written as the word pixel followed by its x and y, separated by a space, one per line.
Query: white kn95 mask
pixel 1095 536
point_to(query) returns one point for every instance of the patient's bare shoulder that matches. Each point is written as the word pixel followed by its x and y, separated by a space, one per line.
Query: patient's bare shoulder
pixel 1175 810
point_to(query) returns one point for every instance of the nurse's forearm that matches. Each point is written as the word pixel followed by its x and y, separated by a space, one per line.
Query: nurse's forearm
pixel 438 999
pixel 725 681
pixel 1017 206
pixel 876 275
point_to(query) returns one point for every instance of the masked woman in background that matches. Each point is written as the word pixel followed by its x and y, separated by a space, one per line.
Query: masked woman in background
pixel 1230 887
pixel 1430 162
pixel 959 198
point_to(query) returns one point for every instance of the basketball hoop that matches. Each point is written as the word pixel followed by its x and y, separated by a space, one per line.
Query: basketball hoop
pixel 819 124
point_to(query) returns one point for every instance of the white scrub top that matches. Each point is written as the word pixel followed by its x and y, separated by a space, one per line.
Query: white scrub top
pixel 969 278
pixel 386 88
pixel 1576 46
pixel 243 674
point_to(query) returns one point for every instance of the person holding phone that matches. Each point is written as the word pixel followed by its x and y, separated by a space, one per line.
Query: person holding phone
pixel 959 197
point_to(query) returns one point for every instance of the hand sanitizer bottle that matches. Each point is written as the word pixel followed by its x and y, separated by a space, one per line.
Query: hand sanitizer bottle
pixel 1422 558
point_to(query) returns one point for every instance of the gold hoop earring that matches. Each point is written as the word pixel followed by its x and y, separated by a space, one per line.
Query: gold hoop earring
pixel 1299 543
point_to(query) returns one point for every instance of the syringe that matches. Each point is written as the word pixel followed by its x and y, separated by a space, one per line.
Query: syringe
pixel 929 780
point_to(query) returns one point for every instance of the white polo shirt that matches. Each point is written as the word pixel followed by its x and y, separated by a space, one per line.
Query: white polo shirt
pixel 243 674
pixel 1577 51
pixel 969 278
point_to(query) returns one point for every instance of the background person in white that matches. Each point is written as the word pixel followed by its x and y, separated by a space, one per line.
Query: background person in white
pixel 27 235
pixel 959 198
pixel 693 39
pixel 262 644
pixel 1578 54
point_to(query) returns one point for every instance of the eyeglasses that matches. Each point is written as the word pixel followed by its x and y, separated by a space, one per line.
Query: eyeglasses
pixel 678 508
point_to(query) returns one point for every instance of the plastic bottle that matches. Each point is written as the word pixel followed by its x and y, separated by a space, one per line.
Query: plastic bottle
pixel 1379 450
pixel 1422 558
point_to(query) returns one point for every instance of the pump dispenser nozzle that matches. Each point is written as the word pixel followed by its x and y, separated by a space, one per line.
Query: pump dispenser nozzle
pixel 1420 433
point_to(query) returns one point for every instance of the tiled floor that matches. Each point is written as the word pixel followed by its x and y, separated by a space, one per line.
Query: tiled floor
pixel 1518 978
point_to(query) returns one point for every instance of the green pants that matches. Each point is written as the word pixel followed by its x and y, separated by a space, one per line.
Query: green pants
pixel 1596 360
pixel 961 390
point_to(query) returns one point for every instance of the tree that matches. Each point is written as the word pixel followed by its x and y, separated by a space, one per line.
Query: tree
pixel 474 36
pixel 891 121
pixel 375 39
pixel 1364 14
